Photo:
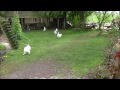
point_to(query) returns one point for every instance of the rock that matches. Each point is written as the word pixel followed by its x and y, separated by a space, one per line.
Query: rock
pixel 7 45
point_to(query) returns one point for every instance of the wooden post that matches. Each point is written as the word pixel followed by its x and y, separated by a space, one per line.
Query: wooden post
pixel 64 23
pixel 58 23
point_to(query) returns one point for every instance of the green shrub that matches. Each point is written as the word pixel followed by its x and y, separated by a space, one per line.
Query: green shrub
pixel 2 47
pixel 16 26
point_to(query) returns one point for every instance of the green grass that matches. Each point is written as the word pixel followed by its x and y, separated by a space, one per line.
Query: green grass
pixel 80 51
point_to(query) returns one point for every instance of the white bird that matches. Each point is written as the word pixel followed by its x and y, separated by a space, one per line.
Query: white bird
pixel 44 28
pixel 27 49
pixel 56 31
pixel 59 35
pixel 69 23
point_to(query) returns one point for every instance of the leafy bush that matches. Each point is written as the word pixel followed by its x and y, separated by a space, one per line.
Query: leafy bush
pixel 2 47
pixel 16 26
pixel 75 20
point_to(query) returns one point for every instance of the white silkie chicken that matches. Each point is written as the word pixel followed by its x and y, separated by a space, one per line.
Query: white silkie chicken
pixel 59 35
pixel 44 28
pixel 56 31
pixel 27 49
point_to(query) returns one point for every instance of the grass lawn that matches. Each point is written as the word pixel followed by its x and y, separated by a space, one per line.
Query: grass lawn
pixel 80 51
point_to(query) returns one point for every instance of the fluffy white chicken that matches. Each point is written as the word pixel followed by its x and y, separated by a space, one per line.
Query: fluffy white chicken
pixel 56 31
pixel 44 28
pixel 59 35
pixel 27 49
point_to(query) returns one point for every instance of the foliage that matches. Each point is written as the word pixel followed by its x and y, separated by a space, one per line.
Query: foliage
pixel 10 34
pixel 93 18
pixel 102 17
pixel 75 21
pixel 2 13
pixel 15 33
pixel 16 27
pixel 6 30
pixel 2 47
pixel 78 17
pixel 75 17
pixel 114 33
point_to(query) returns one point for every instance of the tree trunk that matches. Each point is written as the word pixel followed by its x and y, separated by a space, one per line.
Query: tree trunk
pixel 100 29
pixel 22 22
pixel 47 22
pixel 100 26
pixel 64 23
pixel 2 30
pixel 58 23
pixel 82 21
pixel 101 23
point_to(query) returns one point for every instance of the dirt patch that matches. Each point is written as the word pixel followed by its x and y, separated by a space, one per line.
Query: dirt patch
pixel 47 69
pixel 3 38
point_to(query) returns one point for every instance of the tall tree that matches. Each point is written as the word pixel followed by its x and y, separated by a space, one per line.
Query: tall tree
pixel 16 26
pixel 101 16
pixel 113 13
